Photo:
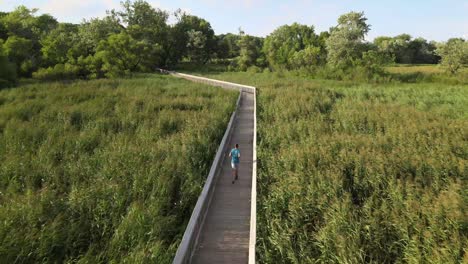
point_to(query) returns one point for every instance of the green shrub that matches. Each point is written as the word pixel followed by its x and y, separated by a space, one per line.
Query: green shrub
pixel 254 69
pixel 7 70
pixel 7 73
pixel 58 72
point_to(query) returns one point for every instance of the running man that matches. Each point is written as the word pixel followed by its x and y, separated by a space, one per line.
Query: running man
pixel 235 156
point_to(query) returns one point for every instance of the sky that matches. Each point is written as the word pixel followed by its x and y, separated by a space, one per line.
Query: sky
pixel 431 19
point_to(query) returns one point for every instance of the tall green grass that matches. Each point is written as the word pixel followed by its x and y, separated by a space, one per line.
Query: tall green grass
pixel 428 73
pixel 360 173
pixel 104 171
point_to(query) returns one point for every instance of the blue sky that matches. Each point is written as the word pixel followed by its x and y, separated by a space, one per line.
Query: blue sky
pixel 431 19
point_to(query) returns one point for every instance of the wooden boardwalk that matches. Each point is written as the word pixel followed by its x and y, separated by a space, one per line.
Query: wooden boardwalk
pixel 224 236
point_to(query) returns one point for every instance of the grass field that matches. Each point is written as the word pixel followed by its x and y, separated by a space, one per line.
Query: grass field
pixel 359 173
pixel 428 73
pixel 104 171
pixel 421 68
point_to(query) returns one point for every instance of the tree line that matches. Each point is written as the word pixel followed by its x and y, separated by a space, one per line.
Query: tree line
pixel 134 39
pixel 138 38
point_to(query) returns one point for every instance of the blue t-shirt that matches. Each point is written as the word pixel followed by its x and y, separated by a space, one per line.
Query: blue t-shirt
pixel 235 155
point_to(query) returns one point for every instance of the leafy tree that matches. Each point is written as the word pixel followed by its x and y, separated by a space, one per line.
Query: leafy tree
pixel 372 63
pixel 56 44
pixel 345 44
pixel 385 45
pixel 227 46
pixel 20 22
pixel 46 23
pixel 121 54
pixel 24 30
pixel 423 51
pixel 191 37
pixel 24 23
pixel 19 51
pixel 400 46
pixel 307 57
pixel 250 52
pixel 454 54
pixel 197 46
pixel 406 50
pixel 322 42
pixel 221 49
pixel 91 33
pixel 69 50
pixel 145 24
pixel 282 45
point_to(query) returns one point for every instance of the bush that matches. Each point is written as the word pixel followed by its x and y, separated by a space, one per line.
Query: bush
pixel 58 72
pixel 254 69
pixel 307 58
pixel 90 67
pixel 454 54
pixel 7 73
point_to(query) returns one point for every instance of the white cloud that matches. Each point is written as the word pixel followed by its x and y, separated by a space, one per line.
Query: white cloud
pixel 69 7
pixel 76 10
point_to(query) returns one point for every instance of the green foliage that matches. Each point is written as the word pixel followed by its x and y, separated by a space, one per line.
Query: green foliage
pixel 227 46
pixel 372 64
pixel 454 54
pixel 358 173
pixel 196 44
pixel 104 171
pixel 406 50
pixel 3 30
pixel 24 30
pixel 250 53
pixel 7 70
pixel 191 37
pixel 349 57
pixel 308 57
pixel 121 54
pixel 148 26
pixel 345 44
pixel 21 22
pixel 57 44
pixel 293 46
pixel 426 73
pixel 91 33
pixel 19 50
pixel 58 72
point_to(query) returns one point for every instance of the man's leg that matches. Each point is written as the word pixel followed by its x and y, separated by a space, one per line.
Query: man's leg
pixel 233 172
pixel 237 171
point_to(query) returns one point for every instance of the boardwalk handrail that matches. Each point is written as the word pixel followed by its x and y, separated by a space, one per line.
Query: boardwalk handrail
pixel 224 84
pixel 253 197
pixel 189 240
